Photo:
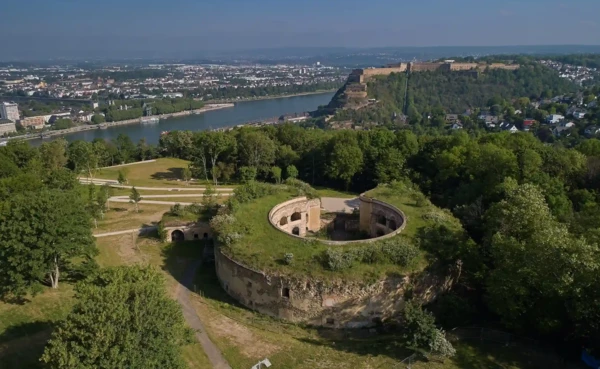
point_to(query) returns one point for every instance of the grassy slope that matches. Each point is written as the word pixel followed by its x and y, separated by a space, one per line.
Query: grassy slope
pixel 255 251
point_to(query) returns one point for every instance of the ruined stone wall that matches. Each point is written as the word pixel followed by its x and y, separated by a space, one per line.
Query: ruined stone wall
pixel 339 304
pixel 501 66
pixel 379 218
pixel 301 213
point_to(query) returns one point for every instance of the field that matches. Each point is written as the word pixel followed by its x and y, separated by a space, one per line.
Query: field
pixel 164 172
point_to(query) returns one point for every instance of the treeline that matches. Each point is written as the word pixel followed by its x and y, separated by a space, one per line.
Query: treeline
pixel 132 109
pixel 250 92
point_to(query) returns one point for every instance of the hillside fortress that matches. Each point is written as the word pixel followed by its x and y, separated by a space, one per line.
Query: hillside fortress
pixel 362 75
pixel 354 92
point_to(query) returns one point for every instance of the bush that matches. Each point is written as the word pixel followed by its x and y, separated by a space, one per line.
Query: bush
pixel 251 191
pixel 400 251
pixel 162 232
pixel 177 210
pixel 419 325
pixel 303 188
pixel 440 345
pixel 337 260
pixel 288 258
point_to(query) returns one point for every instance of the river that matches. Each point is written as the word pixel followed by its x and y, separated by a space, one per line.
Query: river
pixel 242 112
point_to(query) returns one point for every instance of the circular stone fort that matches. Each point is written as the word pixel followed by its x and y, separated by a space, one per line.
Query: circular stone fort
pixel 283 265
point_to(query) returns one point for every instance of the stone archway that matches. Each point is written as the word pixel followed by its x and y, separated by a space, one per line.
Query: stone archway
pixel 296 216
pixel 177 236
pixel 296 231
pixel 283 221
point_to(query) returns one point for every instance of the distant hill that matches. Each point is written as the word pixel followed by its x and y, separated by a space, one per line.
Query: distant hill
pixel 453 91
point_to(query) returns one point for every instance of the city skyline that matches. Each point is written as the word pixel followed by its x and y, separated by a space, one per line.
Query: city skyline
pixel 185 28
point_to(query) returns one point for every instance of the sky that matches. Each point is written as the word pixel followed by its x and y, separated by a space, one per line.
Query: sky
pixel 186 28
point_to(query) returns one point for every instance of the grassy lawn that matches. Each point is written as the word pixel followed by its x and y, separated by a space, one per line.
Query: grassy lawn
pixel 25 328
pixel 164 172
pixel 123 216
pixel 246 337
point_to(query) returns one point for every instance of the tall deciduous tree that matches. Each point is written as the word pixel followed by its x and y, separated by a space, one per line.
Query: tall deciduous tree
pixel 122 319
pixel 536 262
pixel 39 233
pixel 256 148
pixel 54 154
pixel 346 159
pixel 83 157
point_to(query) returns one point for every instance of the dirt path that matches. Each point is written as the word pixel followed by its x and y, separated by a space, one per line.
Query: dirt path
pixel 193 320
pixel 140 231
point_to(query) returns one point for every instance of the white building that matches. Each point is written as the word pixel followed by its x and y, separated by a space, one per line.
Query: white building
pixel 9 111
pixel 554 118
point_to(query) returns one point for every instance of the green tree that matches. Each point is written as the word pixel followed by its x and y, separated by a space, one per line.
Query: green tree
pixel 186 175
pixel 346 160
pixel 291 171
pixel 122 319
pixel 256 148
pixel 98 118
pixel 122 176
pixel 83 157
pixel 135 198
pixel 54 154
pixel 40 232
pixel 276 174
pixel 216 145
pixel 247 174
pixel 536 261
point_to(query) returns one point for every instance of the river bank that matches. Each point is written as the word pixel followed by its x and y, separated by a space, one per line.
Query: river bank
pixel 241 113
pixel 88 127
pixel 272 97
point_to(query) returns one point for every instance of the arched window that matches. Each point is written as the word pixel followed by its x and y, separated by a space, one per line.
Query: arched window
pixel 283 221
pixel 296 216
pixel 205 236
pixel 296 231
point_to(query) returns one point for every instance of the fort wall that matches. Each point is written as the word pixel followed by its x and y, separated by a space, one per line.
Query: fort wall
pixel 297 216
pixel 339 304
pixel 379 219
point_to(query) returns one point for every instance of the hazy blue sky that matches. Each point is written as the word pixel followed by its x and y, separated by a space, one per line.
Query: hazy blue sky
pixel 95 27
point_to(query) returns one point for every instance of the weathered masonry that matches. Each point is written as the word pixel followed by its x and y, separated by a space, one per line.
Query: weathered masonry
pixel 336 303
pixel 297 216
pixel 189 232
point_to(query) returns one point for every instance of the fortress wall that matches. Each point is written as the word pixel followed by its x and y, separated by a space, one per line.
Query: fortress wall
pixel 337 304
pixel 423 67
pixel 502 66
pixel 384 71
pixel 301 213
pixel 463 66
pixel 379 218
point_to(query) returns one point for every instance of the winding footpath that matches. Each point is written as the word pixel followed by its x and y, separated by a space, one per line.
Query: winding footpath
pixel 193 320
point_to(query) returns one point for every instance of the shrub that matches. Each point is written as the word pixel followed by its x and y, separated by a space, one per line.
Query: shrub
pixel 400 251
pixel 162 232
pixel 419 325
pixel 337 260
pixel 252 190
pixel 177 210
pixel 288 258
pixel 303 188
pixel 440 345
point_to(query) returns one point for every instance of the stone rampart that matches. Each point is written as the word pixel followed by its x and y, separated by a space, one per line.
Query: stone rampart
pixel 188 231
pixel 338 304
pixel 297 216
pixel 380 219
